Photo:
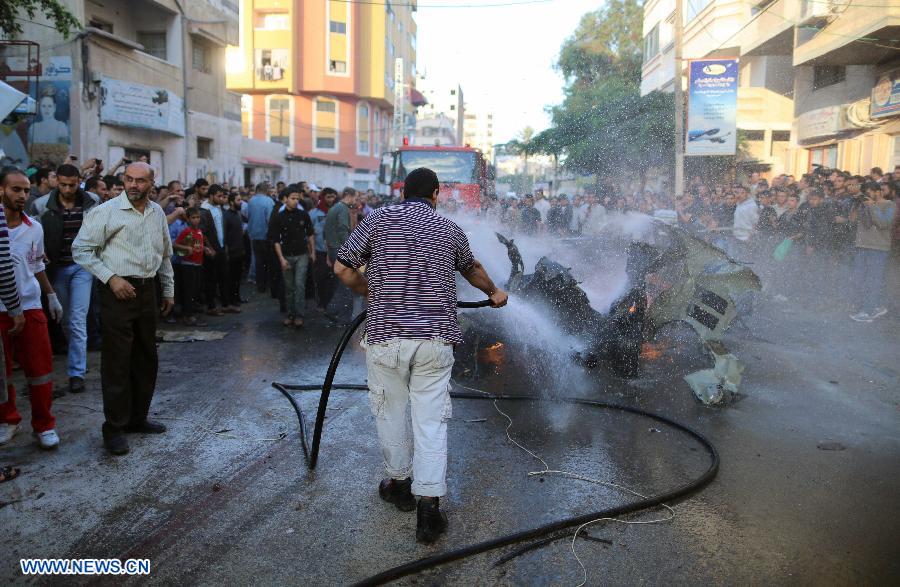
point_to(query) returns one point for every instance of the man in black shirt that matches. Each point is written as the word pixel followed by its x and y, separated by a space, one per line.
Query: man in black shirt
pixel 292 233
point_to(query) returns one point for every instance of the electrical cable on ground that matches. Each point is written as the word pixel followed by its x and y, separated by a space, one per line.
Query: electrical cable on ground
pixel 548 471
pixel 311 450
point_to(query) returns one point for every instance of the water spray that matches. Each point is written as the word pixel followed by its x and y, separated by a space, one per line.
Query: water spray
pixel 557 528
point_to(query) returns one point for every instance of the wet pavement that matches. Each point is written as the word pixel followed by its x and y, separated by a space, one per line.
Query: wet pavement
pixel 225 498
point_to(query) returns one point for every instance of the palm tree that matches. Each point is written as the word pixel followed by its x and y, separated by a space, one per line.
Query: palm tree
pixel 523 146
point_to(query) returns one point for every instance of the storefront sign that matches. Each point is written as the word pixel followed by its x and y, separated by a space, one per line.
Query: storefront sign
pixel 138 106
pixel 712 107
pixel 821 122
pixel 886 96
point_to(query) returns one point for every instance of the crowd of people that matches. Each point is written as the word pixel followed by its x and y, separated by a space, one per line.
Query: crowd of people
pixel 829 233
pixel 281 237
pixel 832 231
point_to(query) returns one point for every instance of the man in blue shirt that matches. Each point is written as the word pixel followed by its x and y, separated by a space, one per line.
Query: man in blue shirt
pixel 259 211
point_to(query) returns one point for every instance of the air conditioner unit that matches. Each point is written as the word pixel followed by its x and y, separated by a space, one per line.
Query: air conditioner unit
pixel 814 12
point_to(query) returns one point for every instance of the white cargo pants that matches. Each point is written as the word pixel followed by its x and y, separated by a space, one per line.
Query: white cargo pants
pixel 415 372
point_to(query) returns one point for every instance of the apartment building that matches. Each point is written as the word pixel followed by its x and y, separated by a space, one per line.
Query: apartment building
pixel 846 84
pixel 718 28
pixel 441 120
pixel 478 128
pixel 143 78
pixel 318 78
pixel 819 79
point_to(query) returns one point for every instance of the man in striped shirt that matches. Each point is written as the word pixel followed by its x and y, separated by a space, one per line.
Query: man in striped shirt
pixel 125 243
pixel 412 256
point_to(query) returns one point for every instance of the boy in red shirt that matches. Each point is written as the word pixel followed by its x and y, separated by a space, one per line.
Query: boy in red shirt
pixel 190 247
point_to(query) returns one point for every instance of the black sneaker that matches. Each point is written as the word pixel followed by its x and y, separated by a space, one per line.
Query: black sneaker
pixel 398 492
pixel 430 520
pixel 116 444
pixel 76 384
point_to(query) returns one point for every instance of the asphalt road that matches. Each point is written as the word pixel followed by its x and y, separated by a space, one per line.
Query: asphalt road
pixel 224 496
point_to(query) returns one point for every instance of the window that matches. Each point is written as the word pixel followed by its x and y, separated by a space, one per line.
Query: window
pixel 828 75
pixel 452 106
pixel 376 131
pixel 754 135
pixel 279 115
pixel 325 106
pixel 362 129
pixel 325 125
pixel 270 64
pixel 154 44
pixel 651 43
pixel 781 136
pixel 759 6
pixel 101 24
pixel 204 148
pixel 273 21
pixel 824 156
pixel 693 8
pixel 452 92
pixel 202 57
pixel 337 45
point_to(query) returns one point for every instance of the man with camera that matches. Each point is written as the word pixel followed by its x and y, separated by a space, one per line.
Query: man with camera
pixel 873 216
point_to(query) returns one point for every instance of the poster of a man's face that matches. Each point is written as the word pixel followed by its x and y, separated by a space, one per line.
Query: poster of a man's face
pixel 46 135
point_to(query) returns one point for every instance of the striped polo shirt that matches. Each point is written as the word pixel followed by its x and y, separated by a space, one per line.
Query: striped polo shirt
pixel 411 256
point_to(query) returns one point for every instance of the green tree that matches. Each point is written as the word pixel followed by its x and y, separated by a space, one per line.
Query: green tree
pixel 11 12
pixel 607 42
pixel 604 125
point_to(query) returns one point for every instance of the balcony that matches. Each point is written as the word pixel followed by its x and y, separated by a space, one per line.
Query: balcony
pixel 124 60
pixel 762 109
pixel 846 34
pixel 771 28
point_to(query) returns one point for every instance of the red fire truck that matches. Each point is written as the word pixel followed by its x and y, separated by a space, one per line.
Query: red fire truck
pixel 463 172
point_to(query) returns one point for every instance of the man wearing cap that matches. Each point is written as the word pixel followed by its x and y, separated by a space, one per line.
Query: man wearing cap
pixel 412 255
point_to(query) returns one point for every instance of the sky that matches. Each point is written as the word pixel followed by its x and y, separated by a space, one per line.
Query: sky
pixel 502 56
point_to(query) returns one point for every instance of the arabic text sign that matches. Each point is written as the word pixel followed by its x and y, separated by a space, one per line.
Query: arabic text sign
pixel 712 107
pixel 139 106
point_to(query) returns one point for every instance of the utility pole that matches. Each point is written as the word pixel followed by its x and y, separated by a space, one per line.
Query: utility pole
pixel 399 103
pixel 679 103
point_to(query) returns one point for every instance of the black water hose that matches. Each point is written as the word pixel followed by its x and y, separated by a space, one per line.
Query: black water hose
pixel 423 564
pixel 311 454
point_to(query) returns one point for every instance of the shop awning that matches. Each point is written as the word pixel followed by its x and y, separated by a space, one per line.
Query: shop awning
pixel 259 162
pixel 416 98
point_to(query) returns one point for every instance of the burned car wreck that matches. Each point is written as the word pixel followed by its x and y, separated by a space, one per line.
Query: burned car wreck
pixel 671 276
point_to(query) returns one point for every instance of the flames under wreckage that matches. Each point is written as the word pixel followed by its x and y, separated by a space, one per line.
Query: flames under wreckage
pixel 675 276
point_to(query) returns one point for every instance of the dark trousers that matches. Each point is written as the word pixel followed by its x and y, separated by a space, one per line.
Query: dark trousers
pixel 235 275
pixel 128 358
pixel 262 251
pixel 93 319
pixel 191 285
pixel 324 278
pixel 215 279
pixel 179 287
